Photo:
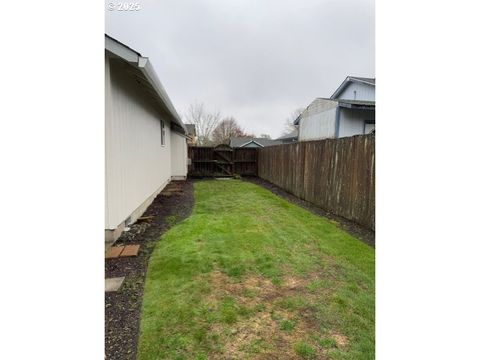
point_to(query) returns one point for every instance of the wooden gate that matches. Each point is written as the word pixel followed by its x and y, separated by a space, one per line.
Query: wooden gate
pixel 221 161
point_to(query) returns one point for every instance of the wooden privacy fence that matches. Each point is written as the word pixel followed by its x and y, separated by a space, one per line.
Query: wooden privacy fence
pixel 221 161
pixel 338 174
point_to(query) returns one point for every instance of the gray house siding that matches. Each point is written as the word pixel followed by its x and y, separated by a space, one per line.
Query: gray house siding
pixel 352 122
pixel 325 119
pixel 318 120
pixel 358 91
pixel 349 111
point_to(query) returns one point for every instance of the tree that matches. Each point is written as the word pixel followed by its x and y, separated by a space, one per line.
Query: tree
pixel 289 127
pixel 226 129
pixel 265 136
pixel 205 122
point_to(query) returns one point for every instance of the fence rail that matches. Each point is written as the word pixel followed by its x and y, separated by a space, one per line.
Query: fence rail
pixel 337 175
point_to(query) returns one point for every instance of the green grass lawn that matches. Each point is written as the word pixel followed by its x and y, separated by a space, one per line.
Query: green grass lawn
pixel 249 275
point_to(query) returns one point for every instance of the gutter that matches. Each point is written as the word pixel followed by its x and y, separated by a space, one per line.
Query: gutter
pixel 147 70
pixel 144 66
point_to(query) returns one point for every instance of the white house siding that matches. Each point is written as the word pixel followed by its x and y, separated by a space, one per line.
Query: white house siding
pixel 137 165
pixel 108 138
pixel 363 92
pixel 318 121
pixel 352 122
pixel 179 156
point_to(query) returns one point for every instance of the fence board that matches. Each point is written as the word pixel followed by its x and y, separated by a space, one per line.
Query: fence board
pixel 208 161
pixel 336 174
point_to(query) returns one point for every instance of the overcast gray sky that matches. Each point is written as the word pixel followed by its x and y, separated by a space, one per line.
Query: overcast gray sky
pixel 255 60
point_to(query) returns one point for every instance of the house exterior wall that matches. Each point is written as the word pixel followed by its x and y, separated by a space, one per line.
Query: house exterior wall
pixel 363 92
pixel 179 156
pixel 108 138
pixel 318 121
pixel 137 165
pixel 369 128
pixel 352 122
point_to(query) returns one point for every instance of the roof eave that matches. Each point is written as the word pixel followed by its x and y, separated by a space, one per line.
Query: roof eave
pixel 356 106
pixel 121 50
pixel 148 71
pixel 340 88
pixel 251 141
pixel 297 120
pixel 362 81
pixel 144 66
pixel 344 84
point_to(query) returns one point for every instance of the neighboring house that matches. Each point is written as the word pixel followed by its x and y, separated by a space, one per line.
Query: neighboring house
pixel 291 137
pixel 349 111
pixel 355 88
pixel 145 140
pixel 191 134
pixel 249 142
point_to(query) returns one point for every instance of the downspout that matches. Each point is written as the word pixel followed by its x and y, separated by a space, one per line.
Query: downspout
pixel 337 121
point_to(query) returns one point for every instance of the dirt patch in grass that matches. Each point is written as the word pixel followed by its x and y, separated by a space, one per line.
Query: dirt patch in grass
pixel 122 308
pixel 271 320
pixel 340 339
pixel 249 291
pixel 360 232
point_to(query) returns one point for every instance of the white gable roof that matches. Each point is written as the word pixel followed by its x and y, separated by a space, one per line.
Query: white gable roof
pixel 352 79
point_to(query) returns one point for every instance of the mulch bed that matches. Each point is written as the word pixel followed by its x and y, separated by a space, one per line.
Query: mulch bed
pixel 358 231
pixel 122 308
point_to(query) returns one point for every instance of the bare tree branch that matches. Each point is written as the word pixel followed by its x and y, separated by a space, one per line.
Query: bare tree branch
pixel 226 129
pixel 289 127
pixel 205 122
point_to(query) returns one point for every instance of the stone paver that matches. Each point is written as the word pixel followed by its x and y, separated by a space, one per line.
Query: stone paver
pixel 130 250
pixel 113 284
pixel 114 252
